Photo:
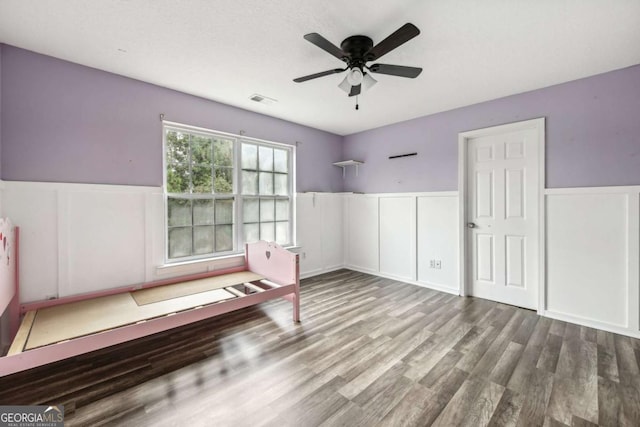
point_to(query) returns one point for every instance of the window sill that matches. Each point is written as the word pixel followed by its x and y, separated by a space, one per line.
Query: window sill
pixel 198 261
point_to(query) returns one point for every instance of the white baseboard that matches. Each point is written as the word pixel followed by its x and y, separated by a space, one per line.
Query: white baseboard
pixel 320 271
pixel 427 285
pixel 591 323
pixel 437 287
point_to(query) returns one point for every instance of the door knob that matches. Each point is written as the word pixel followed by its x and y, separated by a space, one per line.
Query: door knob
pixel 471 225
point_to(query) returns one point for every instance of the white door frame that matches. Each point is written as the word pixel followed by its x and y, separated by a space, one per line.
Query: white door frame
pixel 463 138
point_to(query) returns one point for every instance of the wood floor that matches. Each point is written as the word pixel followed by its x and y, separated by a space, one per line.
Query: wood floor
pixel 369 351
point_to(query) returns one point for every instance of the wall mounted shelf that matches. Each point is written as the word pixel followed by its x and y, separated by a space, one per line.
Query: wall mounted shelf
pixel 344 164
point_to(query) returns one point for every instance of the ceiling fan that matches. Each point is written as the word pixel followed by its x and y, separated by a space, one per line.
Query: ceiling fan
pixel 356 51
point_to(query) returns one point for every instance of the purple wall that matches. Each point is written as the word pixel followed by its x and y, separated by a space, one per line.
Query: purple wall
pixel 69 123
pixel 64 122
pixel 592 138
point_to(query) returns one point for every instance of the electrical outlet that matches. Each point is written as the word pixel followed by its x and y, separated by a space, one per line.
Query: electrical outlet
pixel 432 264
pixel 438 264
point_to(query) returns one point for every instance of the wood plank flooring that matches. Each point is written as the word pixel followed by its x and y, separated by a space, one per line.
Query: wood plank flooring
pixel 369 351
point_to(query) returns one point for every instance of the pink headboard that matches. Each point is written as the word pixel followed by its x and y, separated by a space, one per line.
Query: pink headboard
pixel 273 262
pixel 7 263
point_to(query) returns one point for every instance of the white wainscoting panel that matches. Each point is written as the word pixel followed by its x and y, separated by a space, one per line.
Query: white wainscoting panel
pixel 361 231
pixel 319 218
pixel 106 239
pixel 395 235
pixel 438 240
pixel 587 257
pixel 1 198
pixel 308 234
pixel 79 238
pixel 332 231
pixel 398 237
pixel 34 209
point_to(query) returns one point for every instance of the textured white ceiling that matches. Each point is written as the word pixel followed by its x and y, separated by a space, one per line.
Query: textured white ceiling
pixel 226 50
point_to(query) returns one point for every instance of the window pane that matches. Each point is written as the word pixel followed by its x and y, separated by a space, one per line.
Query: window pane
pixel 280 160
pixel 282 210
pixel 249 182
pixel 202 182
pixel 224 181
pixel 203 212
pixel 251 210
pixel 179 212
pixel 267 231
pixel 224 238
pixel 224 211
pixel 266 183
pixel 249 156
pixel 177 178
pixel 282 233
pixel 267 210
pixel 266 158
pixel 223 153
pixel 281 184
pixel 203 240
pixel 251 233
pixel 177 147
pixel 201 150
pixel 179 242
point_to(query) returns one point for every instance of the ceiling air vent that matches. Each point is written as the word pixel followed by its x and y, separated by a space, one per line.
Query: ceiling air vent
pixel 262 99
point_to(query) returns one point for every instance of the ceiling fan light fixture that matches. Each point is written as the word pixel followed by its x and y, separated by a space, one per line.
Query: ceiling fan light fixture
pixel 368 82
pixel 355 76
pixel 345 85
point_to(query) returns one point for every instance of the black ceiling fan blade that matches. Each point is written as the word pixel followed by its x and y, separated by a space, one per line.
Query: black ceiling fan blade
pixel 355 90
pixel 316 75
pixel 396 70
pixel 325 45
pixel 399 37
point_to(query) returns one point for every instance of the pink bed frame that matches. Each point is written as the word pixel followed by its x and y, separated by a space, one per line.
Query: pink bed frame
pixel 279 266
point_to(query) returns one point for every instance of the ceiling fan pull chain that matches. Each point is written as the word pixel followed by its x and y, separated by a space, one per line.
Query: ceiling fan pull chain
pixel 357 106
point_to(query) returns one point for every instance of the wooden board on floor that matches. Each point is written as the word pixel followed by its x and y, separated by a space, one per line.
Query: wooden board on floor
pixel 23 334
pixel 163 293
pixel 68 321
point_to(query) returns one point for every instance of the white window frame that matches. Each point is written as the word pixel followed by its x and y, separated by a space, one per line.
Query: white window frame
pixel 237 196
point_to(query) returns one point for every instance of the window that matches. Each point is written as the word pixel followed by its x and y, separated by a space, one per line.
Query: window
pixel 265 174
pixel 224 190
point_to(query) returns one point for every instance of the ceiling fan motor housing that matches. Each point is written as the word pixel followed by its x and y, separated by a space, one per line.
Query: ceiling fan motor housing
pixel 357 47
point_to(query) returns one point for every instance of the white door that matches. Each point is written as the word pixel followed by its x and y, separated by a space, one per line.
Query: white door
pixel 502 213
